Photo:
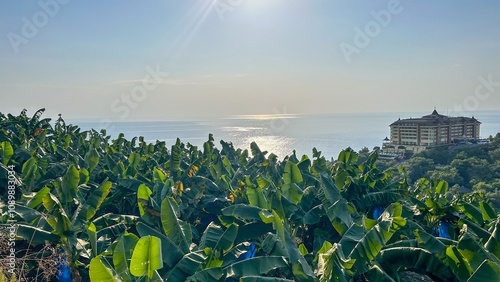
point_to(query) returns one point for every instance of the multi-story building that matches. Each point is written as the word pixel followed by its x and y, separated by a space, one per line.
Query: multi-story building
pixel 417 134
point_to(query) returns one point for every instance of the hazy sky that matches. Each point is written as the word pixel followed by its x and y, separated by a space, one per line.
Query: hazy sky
pixel 237 57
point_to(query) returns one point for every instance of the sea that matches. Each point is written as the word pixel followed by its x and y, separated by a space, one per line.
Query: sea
pixel 280 134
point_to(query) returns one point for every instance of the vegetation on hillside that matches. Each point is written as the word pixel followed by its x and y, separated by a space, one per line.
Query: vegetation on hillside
pixel 469 168
pixel 476 169
pixel 124 210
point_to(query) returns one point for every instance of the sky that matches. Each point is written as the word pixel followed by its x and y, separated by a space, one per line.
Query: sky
pixel 174 60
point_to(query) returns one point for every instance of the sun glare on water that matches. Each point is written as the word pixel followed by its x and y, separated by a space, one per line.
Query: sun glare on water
pixel 264 117
pixel 272 144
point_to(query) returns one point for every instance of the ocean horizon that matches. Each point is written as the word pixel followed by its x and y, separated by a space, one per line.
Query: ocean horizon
pixel 279 134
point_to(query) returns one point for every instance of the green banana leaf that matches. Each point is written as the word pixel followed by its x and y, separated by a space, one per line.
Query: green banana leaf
pixel 256 198
pixel 38 198
pixel 99 272
pixel 92 159
pixel 458 263
pixel 7 151
pixel 209 274
pixel 27 214
pixel 69 185
pixel 122 253
pixel 478 230
pixel 313 216
pixel 487 211
pixel 493 243
pixel 472 212
pixel 430 243
pixel 381 198
pixel 187 266
pixel 143 192
pixel 394 259
pixel 487 271
pixel 91 232
pixel 334 204
pixel 255 266
pixel 242 211
pixel 235 252
pixel 332 265
pixel 474 251
pixel 367 244
pixel 147 257
pixel 217 239
pixel 61 222
pixel 94 201
pixel 263 279
pixel 172 226
pixel 35 235
pixel 171 253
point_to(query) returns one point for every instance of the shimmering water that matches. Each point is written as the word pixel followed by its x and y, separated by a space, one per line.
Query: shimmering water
pixel 282 134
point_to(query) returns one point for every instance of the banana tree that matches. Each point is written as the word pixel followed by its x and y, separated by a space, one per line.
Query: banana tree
pixel 61 214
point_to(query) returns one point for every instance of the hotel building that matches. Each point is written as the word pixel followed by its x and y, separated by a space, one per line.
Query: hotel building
pixel 417 134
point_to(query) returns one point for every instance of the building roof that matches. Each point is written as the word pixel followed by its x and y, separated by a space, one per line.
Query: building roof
pixel 434 115
pixel 434 119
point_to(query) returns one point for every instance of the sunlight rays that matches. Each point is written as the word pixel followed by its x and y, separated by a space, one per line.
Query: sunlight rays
pixel 195 18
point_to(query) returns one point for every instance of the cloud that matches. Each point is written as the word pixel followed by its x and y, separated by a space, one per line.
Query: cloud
pixel 223 75
pixel 208 79
pixel 60 86
pixel 164 82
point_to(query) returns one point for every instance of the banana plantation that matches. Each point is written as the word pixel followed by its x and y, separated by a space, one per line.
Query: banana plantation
pixel 80 206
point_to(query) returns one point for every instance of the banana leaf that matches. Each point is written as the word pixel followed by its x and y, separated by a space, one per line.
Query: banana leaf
pixel 332 265
pixel 187 266
pixel 243 211
pixel 487 271
pixel 147 257
pixel 171 253
pixel 69 185
pixel 420 260
pixel 122 253
pixel 35 235
pixel 209 274
pixel 6 151
pixel 493 243
pixel 100 272
pixel 175 231
pixel 255 266
pixel 263 279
